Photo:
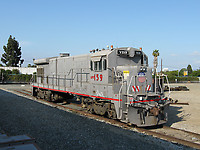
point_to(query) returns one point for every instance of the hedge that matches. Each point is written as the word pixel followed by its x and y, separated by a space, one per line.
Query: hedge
pixel 9 76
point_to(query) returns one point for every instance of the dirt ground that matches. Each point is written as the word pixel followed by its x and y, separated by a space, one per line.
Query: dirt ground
pixel 186 117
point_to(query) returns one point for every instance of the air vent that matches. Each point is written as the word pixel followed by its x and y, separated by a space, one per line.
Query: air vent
pixel 64 54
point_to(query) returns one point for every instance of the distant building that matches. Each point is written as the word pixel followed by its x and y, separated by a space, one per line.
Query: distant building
pixel 185 73
pixel 22 70
pixel 165 69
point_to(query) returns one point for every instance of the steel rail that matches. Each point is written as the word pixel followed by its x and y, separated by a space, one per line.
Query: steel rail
pixel 170 138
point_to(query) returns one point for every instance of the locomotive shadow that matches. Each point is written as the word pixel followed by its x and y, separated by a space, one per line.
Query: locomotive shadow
pixel 173 115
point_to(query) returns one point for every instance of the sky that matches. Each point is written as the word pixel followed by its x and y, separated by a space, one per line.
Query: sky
pixel 45 28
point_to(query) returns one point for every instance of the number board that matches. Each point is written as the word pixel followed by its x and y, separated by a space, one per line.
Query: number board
pixel 138 53
pixel 97 77
pixel 123 52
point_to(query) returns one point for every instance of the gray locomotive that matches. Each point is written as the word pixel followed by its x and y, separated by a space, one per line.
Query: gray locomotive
pixel 115 82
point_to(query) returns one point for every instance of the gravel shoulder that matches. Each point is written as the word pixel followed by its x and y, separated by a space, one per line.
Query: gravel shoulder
pixel 58 129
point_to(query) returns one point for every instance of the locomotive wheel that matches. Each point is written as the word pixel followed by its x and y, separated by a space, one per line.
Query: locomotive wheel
pixel 111 114
pixel 40 94
pixel 90 109
pixel 102 110
pixel 84 105
pixel 83 102
pixel 54 97
pixel 47 95
pixel 96 110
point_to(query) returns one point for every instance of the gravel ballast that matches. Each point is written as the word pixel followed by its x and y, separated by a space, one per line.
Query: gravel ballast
pixel 56 129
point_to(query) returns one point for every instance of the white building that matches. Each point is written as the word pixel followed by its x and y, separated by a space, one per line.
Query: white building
pixel 165 69
pixel 22 70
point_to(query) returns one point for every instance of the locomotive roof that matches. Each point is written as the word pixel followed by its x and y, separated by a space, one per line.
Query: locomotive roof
pixel 108 51
pixel 94 54
pixel 101 53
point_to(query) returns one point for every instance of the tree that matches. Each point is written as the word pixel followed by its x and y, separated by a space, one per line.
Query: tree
pixel 172 73
pixel 12 54
pixel 155 54
pixel 189 69
pixel 29 65
pixel 15 71
pixel 196 73
pixel 8 72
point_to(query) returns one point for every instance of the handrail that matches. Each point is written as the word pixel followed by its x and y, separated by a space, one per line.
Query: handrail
pixel 58 78
pixel 120 114
pixel 160 85
pixel 129 86
pixel 168 85
pixel 119 95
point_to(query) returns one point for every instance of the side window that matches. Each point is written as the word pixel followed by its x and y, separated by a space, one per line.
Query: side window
pixel 104 64
pixel 145 60
pixel 142 59
pixel 98 65
pixel 40 72
pixel 91 65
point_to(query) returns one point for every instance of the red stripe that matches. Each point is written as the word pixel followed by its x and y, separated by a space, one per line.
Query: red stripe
pixel 137 88
pixel 133 88
pixel 149 87
pixel 148 100
pixel 112 99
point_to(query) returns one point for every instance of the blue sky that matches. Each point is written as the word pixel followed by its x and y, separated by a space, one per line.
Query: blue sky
pixel 44 28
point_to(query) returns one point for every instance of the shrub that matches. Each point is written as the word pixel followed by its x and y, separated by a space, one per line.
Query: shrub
pixel 15 71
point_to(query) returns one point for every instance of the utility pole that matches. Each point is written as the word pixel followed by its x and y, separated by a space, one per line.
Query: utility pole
pixel 161 65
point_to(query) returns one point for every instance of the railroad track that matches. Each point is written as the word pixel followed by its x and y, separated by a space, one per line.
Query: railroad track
pixel 175 135
pixel 166 133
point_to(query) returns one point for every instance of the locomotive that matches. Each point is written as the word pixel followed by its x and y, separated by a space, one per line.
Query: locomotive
pixel 113 82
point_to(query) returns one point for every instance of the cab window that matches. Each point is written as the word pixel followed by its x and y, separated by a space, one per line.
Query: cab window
pixel 98 65
pixel 145 60
pixel 91 65
pixel 104 64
